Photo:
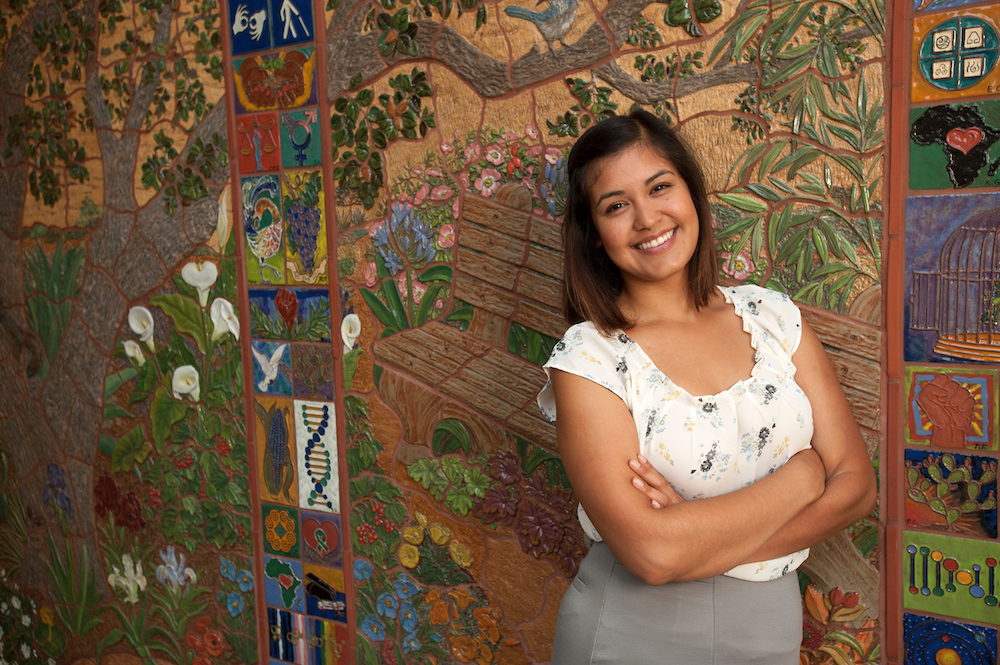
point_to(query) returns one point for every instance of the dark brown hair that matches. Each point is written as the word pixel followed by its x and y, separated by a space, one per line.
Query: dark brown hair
pixel 592 283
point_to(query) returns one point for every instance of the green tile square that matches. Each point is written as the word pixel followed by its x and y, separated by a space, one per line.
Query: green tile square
pixel 281 530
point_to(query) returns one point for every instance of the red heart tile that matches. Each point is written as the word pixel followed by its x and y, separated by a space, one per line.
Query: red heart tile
pixel 964 139
pixel 321 537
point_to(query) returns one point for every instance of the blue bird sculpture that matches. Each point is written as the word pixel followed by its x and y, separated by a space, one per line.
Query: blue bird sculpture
pixel 554 23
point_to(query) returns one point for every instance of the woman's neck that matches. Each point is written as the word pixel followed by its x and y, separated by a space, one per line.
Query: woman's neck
pixel 650 302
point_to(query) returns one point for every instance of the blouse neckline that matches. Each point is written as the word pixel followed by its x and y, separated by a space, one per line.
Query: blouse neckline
pixel 748 327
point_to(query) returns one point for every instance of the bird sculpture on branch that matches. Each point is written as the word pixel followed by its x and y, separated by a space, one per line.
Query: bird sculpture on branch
pixel 554 22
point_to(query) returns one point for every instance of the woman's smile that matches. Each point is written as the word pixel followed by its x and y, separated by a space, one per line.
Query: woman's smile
pixel 657 241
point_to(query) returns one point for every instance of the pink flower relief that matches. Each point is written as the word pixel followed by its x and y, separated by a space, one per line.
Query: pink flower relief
pixel 527 183
pixel 454 208
pixel 465 180
pixel 531 131
pixel 471 152
pixel 401 284
pixel 510 137
pixel 742 266
pixel 421 194
pixel 488 182
pixel 534 151
pixel 446 236
pixel 434 172
pixel 375 228
pixel 440 193
pixel 419 289
pixel 371 275
pixel 447 148
pixel 552 155
pixel 494 155
pixel 418 171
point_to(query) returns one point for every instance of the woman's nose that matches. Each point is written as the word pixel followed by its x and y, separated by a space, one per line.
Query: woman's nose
pixel 645 215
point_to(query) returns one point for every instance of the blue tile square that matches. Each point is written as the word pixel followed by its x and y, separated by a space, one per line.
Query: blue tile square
pixel 249 25
pixel 293 21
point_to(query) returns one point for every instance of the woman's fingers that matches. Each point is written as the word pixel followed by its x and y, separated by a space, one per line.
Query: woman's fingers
pixel 650 482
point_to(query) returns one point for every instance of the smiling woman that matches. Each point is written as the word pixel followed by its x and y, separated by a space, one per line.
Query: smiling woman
pixel 717 405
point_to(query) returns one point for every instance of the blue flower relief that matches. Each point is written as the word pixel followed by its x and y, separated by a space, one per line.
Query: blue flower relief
pixel 405 588
pixel 393 261
pixel 373 628
pixel 407 616
pixel 235 604
pixel 245 579
pixel 411 643
pixel 55 490
pixel 386 605
pixel 381 235
pixel 362 569
pixel 227 569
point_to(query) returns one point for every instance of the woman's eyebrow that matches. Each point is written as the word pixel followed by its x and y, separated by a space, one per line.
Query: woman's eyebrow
pixel 649 181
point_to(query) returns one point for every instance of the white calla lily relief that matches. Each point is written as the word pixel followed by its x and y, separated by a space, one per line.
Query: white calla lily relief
pixel 350 329
pixel 186 382
pixel 224 319
pixel 222 224
pixel 201 276
pixel 140 320
pixel 134 351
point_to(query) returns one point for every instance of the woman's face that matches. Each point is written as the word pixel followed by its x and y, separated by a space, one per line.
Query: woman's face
pixel 644 215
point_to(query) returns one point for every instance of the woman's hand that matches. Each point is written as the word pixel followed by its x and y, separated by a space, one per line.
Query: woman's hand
pixel 652 484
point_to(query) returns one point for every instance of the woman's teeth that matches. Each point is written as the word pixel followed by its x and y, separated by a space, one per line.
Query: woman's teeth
pixel 656 242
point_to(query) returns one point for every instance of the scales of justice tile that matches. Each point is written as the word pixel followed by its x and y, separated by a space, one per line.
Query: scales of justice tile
pixel 316 435
pixel 960 300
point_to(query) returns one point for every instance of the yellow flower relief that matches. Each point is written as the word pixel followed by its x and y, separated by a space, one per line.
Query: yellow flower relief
pixel 408 555
pixel 439 533
pixel 421 519
pixel 48 618
pixel 460 554
pixel 413 534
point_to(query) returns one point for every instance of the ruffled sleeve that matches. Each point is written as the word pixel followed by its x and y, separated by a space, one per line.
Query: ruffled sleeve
pixel 583 351
pixel 776 319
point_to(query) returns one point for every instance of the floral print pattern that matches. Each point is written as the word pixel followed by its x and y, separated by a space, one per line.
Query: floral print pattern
pixel 711 444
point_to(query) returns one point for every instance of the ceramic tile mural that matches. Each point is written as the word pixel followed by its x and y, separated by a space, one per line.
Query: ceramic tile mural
pixel 214 457
pixel 955 54
pixel 952 407
pixel 951 576
pixel 954 146
pixel 951 492
pixel 930 641
pixel 952 269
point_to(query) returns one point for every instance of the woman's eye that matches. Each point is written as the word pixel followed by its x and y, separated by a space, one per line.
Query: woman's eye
pixel 613 207
pixel 660 186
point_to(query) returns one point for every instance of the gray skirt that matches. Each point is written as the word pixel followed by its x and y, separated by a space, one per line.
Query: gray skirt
pixel 609 616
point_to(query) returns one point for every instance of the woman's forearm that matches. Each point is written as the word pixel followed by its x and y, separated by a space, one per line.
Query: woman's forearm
pixel 848 497
pixel 699 539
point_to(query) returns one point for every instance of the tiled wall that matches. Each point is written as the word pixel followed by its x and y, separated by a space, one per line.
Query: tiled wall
pixel 340 224
pixel 944 336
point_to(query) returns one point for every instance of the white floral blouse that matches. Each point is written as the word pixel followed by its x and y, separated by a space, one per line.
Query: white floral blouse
pixel 713 444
